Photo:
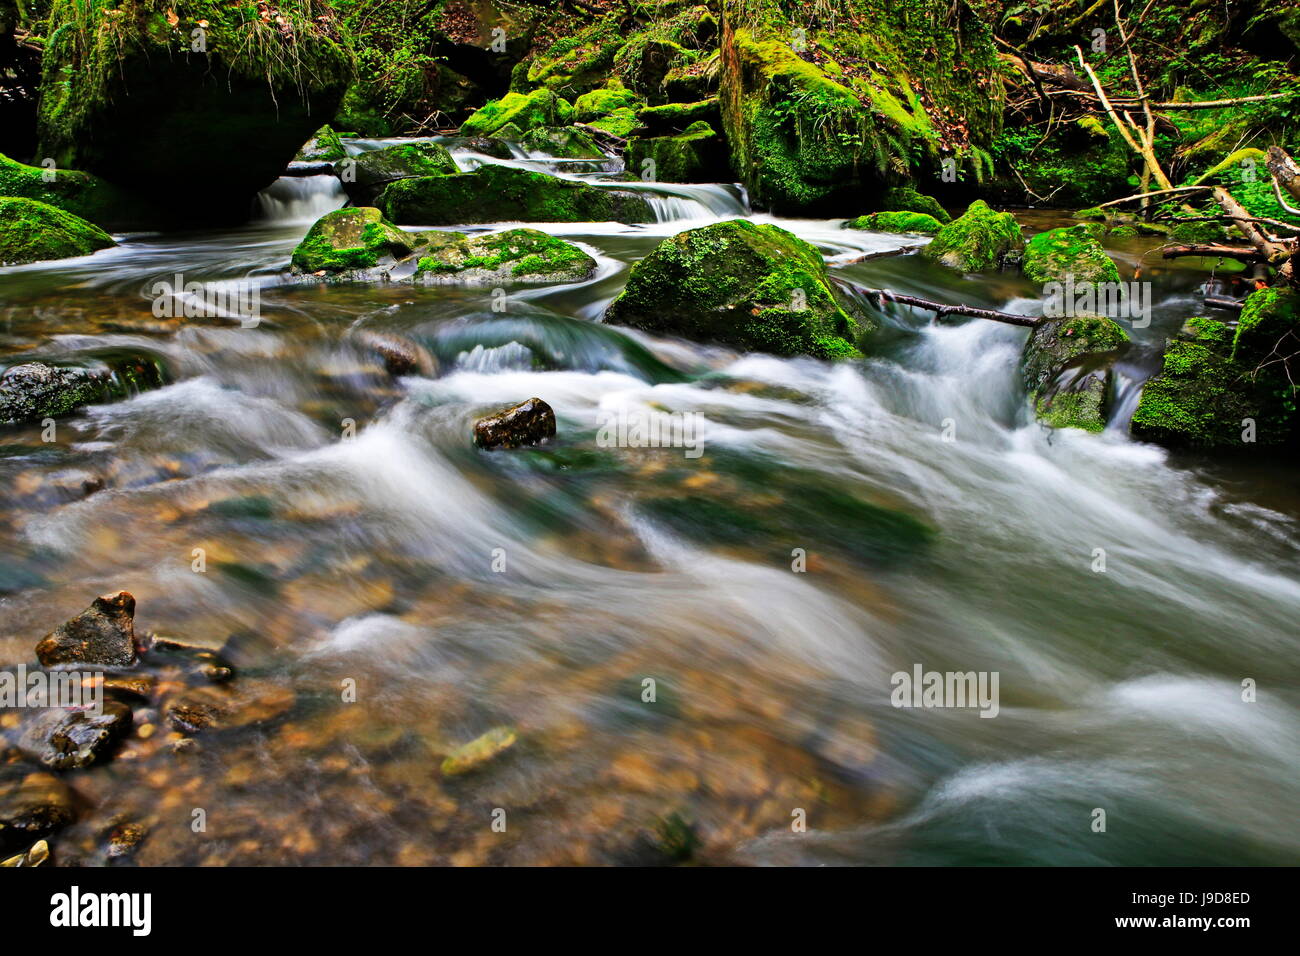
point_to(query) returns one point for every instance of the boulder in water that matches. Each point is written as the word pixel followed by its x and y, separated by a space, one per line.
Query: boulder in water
pixel 365 176
pixel 103 634
pixel 1052 255
pixel 755 287
pixel 672 118
pixel 31 231
pixel 919 223
pixel 696 156
pixel 1065 367
pixel 35 390
pixel 908 199
pixel 980 239
pixel 524 111
pixel 530 422
pixel 505 194
pixel 324 147
pixel 564 142
pixel 81 194
pixel 355 238
pixel 515 255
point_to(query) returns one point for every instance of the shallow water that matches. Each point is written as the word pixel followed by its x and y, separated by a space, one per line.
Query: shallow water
pixel 368 554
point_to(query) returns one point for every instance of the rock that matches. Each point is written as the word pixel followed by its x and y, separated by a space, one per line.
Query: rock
pixel 1270 320
pixel 126 97
pixel 1196 233
pixel 400 355
pixel 505 194
pixel 672 118
pixel 755 287
pixel 480 750
pixel 81 194
pixel 695 156
pixel 31 805
pixel 980 239
pixel 919 223
pixel 564 142
pixel 1053 255
pixel 487 145
pixel 351 239
pixel 1065 368
pixel 525 111
pixel 125 839
pixel 35 390
pixel 515 255
pixel 71 739
pixel 907 199
pixel 244 703
pixel 32 231
pixel 324 147
pixel 35 856
pixel 365 176
pixel 103 634
pixel 612 108
pixel 529 423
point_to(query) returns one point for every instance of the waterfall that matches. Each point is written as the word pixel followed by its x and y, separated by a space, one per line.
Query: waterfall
pixel 294 199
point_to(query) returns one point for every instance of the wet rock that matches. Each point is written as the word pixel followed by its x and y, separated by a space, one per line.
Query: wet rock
pixel 908 199
pixel 524 111
pixel 564 142
pixel 400 355
pixel 1066 369
pixel 103 634
pixel 479 751
pixel 351 239
pixel 901 221
pixel 245 703
pixel 35 856
pixel 34 391
pixel 697 155
pixel 32 231
pixel 128 687
pixel 981 239
pixel 364 176
pixel 487 145
pixel 754 287
pixel 515 255
pixel 124 840
pixel 528 423
pixel 71 739
pixel 1053 255
pixel 31 805
pixel 324 146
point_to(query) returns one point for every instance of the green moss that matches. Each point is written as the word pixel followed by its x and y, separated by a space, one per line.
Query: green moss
pixel 364 176
pixel 324 147
pixel 912 222
pixel 31 231
pixel 81 194
pixel 579 62
pixel 1124 232
pixel 1270 320
pixel 348 239
pixel 694 156
pixel 621 122
pixel 506 194
pixel 522 254
pixel 523 111
pixel 1196 232
pixel 907 199
pixel 751 286
pixel 1066 370
pixel 678 116
pixel 604 101
pixel 1217 335
pixel 566 142
pixel 979 240
pixel 1057 253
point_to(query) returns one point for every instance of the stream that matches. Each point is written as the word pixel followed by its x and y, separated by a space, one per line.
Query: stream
pixel 370 554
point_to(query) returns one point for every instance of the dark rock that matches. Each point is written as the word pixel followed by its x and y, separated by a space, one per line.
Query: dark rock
pixel 487 145
pixel 70 739
pixel 366 174
pixel 242 704
pixel 528 423
pixel 103 634
pixel 31 805
pixel 1066 369
pixel 400 356
pixel 34 391
pixel 38 853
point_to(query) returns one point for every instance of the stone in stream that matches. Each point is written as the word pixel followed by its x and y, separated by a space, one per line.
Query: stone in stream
pixel 920 223
pixel 103 634
pixel 32 231
pixel 505 194
pixel 563 142
pixel 31 805
pixel 515 255
pixel 36 390
pixel 324 147
pixel 400 355
pixel 524 111
pixel 35 856
pixel 1053 255
pixel 244 703
pixel 347 240
pixel 71 739
pixel 364 176
pixel 754 287
pixel 529 423
pixel 908 199
pixel 1066 368
pixel 981 239
pixel 479 751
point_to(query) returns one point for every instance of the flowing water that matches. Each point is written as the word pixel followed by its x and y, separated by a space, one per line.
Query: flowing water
pixel 353 537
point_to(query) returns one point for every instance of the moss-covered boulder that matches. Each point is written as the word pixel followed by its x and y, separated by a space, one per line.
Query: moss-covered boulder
pixel 364 176
pixel 324 147
pixel 578 62
pixel 1066 369
pixel 165 96
pixel 753 287
pixel 980 239
pixel 1269 327
pixel 697 155
pixel 907 199
pixel 32 391
pixel 677 117
pixel 31 231
pixel 505 194
pixel 81 194
pixel 824 126
pixel 612 108
pixel 524 111
pixel 565 142
pixel 1052 255
pixel 350 239
pixel 909 222
pixel 515 255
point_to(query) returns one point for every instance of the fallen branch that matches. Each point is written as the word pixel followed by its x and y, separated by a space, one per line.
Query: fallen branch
pixel 886 254
pixel 1155 192
pixel 941 309
pixel 1213 250
pixel 1127 102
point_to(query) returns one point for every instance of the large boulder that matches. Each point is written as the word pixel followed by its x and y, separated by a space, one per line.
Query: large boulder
pixel 908 199
pixel 102 635
pixel 565 142
pixel 515 255
pixel 1053 255
pixel 31 231
pixel 345 240
pixel 696 156
pixel 980 239
pixel 753 287
pixel 1067 370
pixel 612 108
pixel 817 120
pixel 324 147
pixel 524 111
pixel 365 176
pixel 191 98
pixel 506 194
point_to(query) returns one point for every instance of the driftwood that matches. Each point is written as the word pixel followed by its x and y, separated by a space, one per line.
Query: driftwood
pixel 1211 250
pixel 941 309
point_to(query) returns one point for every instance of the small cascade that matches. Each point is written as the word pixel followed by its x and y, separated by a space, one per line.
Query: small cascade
pixel 296 199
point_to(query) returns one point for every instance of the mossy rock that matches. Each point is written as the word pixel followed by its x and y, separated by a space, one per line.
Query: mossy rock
pixel 979 240
pixel 1124 232
pixel 1065 369
pixel 515 255
pixel 354 238
pixel 754 287
pixel 611 97
pixel 565 142
pixel 907 199
pixel 364 176
pixel 621 122
pixel 34 391
pixel 506 194
pixel 1074 251
pixel 643 62
pixel 1196 233
pixel 578 62
pixel 1217 335
pixel 676 117
pixel 908 222
pixel 124 96
pixel 31 231
pixel 1269 325
pixel 324 147
pixel 523 111
pixel 696 156
pixel 81 194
